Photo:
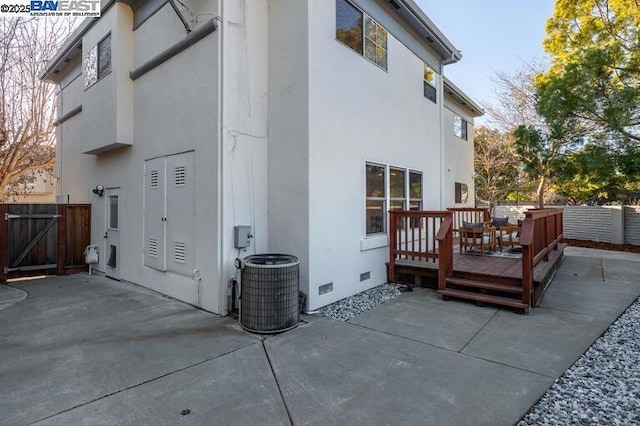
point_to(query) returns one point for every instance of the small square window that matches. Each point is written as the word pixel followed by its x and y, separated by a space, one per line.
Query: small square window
pixel 430 82
pixel 462 193
pixel 97 62
pixel 460 127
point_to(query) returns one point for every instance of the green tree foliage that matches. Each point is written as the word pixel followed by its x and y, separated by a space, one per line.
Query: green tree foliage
pixel 541 152
pixel 597 175
pixel 594 76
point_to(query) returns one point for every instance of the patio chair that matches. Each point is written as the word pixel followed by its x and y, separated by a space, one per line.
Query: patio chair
pixel 509 236
pixel 477 236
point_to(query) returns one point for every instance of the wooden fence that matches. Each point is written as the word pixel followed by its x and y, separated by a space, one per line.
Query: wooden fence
pixel 43 238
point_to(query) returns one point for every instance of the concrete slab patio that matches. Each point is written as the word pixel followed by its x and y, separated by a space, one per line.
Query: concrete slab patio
pixel 88 350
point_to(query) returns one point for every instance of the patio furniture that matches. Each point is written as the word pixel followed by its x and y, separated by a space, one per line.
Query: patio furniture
pixel 477 236
pixel 509 236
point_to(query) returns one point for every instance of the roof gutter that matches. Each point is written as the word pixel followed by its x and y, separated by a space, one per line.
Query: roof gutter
pixel 449 51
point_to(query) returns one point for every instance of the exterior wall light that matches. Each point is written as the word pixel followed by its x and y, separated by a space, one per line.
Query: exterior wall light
pixel 99 190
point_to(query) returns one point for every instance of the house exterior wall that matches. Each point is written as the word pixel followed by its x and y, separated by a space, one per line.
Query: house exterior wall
pixel 375 116
pixel 288 169
pixel 282 119
pixel 458 155
pixel 173 109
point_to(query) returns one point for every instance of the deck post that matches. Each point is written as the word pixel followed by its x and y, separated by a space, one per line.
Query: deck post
pixel 391 273
pixel 526 238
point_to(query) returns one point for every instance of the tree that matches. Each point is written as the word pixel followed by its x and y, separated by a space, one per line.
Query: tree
pixel 27 143
pixel 595 69
pixel 495 165
pixel 540 152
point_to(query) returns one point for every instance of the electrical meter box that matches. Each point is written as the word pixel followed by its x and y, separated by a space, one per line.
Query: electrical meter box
pixel 242 236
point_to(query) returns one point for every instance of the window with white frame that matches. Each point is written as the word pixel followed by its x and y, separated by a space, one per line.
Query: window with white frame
pixel 430 83
pixel 97 62
pixel 361 33
pixel 404 189
pixel 415 190
pixel 376 198
pixel 460 126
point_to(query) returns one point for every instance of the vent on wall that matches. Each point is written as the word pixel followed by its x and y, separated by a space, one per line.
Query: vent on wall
pixel 154 179
pixel 365 276
pixel 153 247
pixel 180 174
pixel 180 252
pixel 324 289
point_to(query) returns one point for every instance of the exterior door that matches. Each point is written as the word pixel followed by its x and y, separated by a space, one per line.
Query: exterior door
pixel 112 234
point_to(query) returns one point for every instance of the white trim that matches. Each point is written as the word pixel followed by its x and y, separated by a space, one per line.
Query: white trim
pixel 374 242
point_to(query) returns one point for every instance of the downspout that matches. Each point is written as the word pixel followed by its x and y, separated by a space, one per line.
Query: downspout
pixel 222 279
pixel 442 130
pixel 452 59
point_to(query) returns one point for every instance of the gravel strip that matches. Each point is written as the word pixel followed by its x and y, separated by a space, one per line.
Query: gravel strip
pixel 351 307
pixel 603 385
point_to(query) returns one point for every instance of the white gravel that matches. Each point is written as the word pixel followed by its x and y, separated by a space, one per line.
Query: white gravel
pixel 353 306
pixel 603 385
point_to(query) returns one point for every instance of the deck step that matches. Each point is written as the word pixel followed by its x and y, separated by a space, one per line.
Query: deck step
pixel 485 285
pixel 486 298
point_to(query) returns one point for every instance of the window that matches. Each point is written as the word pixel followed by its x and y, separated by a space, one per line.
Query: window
pixel 97 62
pixel 376 199
pixel 113 212
pixel 430 90
pixel 460 127
pixel 405 188
pixel 375 43
pixel 415 190
pixel 361 33
pixel 462 193
pixel 397 188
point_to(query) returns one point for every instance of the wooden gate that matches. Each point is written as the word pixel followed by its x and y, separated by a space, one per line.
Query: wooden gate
pixel 43 238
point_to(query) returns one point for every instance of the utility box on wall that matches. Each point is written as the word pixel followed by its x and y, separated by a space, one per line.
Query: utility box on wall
pixel 242 236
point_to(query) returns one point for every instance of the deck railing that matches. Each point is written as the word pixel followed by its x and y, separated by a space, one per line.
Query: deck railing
pixel 541 233
pixel 412 235
pixel 468 214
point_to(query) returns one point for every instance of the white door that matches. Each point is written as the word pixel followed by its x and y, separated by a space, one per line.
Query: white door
pixel 112 234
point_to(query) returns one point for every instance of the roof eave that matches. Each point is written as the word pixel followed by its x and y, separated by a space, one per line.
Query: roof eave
pixel 462 98
pixel 420 22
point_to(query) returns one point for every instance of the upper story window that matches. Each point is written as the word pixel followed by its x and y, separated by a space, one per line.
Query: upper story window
pixel 361 33
pixel 97 62
pixel 430 91
pixel 460 127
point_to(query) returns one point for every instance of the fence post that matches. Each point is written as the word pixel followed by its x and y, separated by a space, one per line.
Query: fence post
pixel 62 238
pixel 4 241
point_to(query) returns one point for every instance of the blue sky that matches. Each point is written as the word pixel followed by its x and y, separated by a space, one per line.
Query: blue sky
pixel 493 35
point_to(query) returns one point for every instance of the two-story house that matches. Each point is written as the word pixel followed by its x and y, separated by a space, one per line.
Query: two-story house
pixel 305 119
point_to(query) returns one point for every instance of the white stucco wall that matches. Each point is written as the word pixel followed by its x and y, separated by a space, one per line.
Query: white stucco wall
pixel 358 113
pixel 288 172
pixel 458 155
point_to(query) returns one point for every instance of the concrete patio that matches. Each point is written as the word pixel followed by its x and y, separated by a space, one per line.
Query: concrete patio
pixel 88 350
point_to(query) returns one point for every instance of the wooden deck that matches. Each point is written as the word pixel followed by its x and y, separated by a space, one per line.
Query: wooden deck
pixel 422 254
pixel 494 269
